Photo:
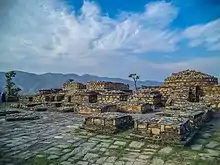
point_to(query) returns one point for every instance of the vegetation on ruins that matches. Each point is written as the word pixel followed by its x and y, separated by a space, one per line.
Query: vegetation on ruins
pixel 135 78
pixel 11 89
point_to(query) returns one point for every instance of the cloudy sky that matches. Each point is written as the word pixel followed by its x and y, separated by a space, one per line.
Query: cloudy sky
pixel 110 37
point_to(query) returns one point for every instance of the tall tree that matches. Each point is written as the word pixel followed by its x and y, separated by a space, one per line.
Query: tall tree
pixel 135 78
pixel 11 89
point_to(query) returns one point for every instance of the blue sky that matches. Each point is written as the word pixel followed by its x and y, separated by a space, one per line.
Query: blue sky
pixel 111 38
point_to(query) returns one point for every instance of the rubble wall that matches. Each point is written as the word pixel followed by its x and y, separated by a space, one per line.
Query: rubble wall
pixel 211 95
pixel 102 85
pixel 134 107
pixel 103 98
pixel 164 90
pixel 73 85
pixel 95 108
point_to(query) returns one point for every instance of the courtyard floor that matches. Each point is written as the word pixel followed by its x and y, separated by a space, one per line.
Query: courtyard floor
pixel 55 139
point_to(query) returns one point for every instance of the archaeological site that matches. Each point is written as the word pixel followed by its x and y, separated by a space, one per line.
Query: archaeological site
pixel 107 123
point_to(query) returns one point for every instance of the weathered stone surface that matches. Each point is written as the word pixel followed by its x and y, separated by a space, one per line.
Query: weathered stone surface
pixel 96 108
pixel 121 143
pixel 76 146
pixel 165 150
pixel 157 161
pixel 136 144
pixel 212 144
pixel 10 111
pixel 165 129
pixel 196 147
pixel 53 157
pixel 21 116
pixel 108 122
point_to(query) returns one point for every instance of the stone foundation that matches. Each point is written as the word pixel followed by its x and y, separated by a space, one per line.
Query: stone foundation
pixel 108 122
pixel 146 96
pixel 134 107
pixel 196 118
pixel 96 108
pixel 164 129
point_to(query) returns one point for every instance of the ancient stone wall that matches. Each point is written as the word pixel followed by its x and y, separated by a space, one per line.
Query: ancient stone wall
pixel 134 107
pixel 166 129
pixel 112 97
pixel 102 85
pixel 81 98
pixel 211 90
pixel 164 90
pixel 190 78
pixel 146 96
pixel 96 108
pixel 108 122
pixel 195 117
pixel 49 91
pixel 46 98
pixel 73 86
pixel 211 95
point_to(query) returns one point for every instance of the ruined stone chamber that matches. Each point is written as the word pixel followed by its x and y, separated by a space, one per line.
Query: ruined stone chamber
pixel 196 118
pixel 80 96
pixel 46 96
pixel 192 86
pixel 163 129
pixel 190 78
pixel 95 108
pixel 112 96
pixel 103 85
pixel 108 123
pixel 151 97
pixel 134 107
pixel 204 112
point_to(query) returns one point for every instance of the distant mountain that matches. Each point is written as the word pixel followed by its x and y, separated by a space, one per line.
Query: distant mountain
pixel 30 82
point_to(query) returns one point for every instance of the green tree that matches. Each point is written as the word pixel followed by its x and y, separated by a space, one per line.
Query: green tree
pixel 135 78
pixel 11 89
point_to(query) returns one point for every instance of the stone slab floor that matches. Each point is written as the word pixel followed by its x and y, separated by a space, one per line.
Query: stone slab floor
pixel 57 139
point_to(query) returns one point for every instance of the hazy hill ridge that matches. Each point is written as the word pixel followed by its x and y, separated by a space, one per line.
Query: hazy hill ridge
pixel 30 82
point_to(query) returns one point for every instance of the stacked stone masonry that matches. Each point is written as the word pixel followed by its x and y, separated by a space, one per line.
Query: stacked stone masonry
pixel 102 85
pixel 163 128
pixel 73 85
pixel 112 97
pixel 152 97
pixel 108 122
pixel 190 85
pixel 134 107
pixel 96 108
pixel 181 87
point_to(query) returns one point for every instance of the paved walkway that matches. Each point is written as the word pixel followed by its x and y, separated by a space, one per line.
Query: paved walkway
pixel 57 139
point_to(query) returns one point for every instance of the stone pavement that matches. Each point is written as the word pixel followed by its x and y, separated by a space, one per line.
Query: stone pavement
pixel 57 139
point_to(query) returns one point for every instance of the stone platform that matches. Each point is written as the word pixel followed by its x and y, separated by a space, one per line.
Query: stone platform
pixel 163 129
pixel 55 139
pixel 108 122
pixel 196 118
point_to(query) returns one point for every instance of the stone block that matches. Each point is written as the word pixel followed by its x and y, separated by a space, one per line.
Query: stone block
pixel 109 122
pixel 134 107
pixel 95 108
pixel 164 129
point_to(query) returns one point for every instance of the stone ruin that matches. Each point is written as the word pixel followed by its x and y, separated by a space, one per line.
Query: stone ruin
pixel 108 123
pixel 189 86
pixel 186 99
pixel 165 129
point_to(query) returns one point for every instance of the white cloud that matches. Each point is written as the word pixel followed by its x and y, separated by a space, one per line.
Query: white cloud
pixel 40 36
pixel 207 35
pixel 39 33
